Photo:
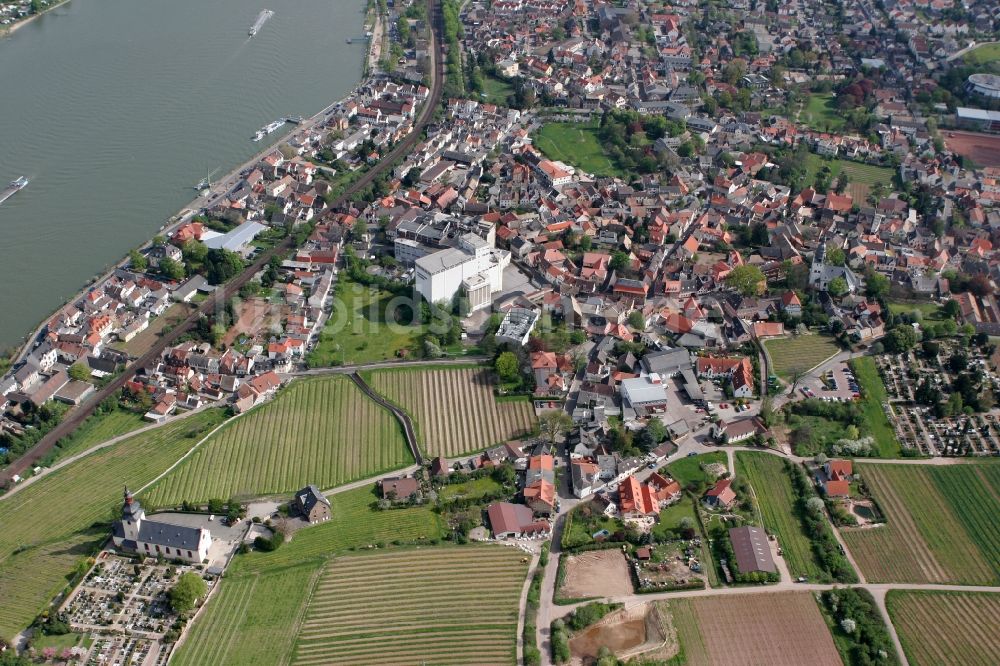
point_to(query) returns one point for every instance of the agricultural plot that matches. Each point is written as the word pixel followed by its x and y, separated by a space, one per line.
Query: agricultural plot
pixel 946 627
pixel 940 525
pixel 251 619
pixel 799 353
pixel 415 606
pixel 454 409
pixel 97 429
pixel 323 431
pixel 781 629
pixel 353 524
pixel 776 502
pixel 39 546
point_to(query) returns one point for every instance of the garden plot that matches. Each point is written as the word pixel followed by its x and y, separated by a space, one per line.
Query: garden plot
pixel 595 573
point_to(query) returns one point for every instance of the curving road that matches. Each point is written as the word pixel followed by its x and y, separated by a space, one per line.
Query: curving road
pixel 77 416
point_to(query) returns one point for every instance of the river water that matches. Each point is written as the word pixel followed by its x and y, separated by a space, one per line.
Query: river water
pixel 116 108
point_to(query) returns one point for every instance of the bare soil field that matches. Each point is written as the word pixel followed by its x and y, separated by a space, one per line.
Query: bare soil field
pixel 778 629
pixel 983 149
pixel 256 316
pixel 597 573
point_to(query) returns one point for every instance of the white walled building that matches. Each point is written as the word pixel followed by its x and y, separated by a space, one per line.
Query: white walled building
pixel 474 266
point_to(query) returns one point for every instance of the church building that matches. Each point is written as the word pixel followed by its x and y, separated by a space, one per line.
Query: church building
pixel 138 534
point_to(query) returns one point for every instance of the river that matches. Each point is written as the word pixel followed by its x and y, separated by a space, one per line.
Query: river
pixel 116 108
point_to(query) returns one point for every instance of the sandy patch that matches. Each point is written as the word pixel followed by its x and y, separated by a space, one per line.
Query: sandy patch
pixel 597 573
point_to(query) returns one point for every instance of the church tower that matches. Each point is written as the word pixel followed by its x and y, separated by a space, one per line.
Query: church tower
pixel 132 516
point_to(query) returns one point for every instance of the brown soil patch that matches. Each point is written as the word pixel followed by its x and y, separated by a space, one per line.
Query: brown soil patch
pixel 644 629
pixel 597 573
pixel 256 316
pixel 983 149
pixel 779 629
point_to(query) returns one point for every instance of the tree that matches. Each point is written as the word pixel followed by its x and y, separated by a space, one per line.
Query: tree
pixel 222 265
pixel 835 256
pixel 554 423
pixel 507 366
pixel 901 338
pixel 187 591
pixel 814 505
pixel 137 261
pixel 79 371
pixel 877 285
pixel 636 320
pixel 746 279
pixel 619 260
pixel 171 269
pixel 837 287
pixel 951 308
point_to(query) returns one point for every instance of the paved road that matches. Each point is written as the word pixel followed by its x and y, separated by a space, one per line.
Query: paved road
pixel 220 296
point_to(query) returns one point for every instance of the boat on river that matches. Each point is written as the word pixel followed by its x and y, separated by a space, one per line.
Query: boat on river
pixel 259 23
pixel 13 188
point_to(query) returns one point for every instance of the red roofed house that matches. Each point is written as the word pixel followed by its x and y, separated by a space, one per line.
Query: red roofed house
pixel 721 495
pixel 515 520
pixel 635 499
pixel 838 489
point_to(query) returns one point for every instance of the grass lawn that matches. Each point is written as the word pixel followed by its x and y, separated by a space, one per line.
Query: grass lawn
pixel 576 144
pixel 320 430
pixel 776 501
pixel 821 433
pixel 688 470
pixel 469 489
pixel 138 345
pixel 983 54
pixel 353 524
pixel 359 329
pixel 860 176
pixel 873 396
pixel 496 91
pixel 39 547
pixel 581 525
pixel 98 428
pixel 929 309
pixel 821 113
pixel 799 353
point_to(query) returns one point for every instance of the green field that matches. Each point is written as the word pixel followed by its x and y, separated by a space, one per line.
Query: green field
pixel 353 524
pixel 821 113
pixel 776 501
pixel 799 353
pixel 688 470
pixel 940 524
pixel 873 396
pixel 576 144
pixel 946 627
pixel 496 91
pixel 929 309
pixel 469 489
pixel 440 605
pixel 362 328
pixel 860 176
pixel 323 431
pixel 983 54
pixel 250 619
pixel 48 525
pixel 97 429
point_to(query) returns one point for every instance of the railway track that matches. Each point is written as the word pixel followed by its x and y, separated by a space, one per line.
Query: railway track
pixel 47 443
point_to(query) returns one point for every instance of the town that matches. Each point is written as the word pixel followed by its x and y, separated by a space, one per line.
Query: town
pixel 580 332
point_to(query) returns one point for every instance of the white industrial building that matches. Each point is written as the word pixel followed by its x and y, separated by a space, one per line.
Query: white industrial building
pixel 474 266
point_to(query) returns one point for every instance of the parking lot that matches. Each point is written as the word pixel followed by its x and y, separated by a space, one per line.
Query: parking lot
pixel 837 384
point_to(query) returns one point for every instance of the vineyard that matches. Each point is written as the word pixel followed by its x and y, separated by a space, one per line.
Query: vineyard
pixel 441 606
pixel 249 620
pixel 454 410
pixel 47 525
pixel 773 490
pixel 322 431
pixel 940 525
pixel 353 524
pixel 947 627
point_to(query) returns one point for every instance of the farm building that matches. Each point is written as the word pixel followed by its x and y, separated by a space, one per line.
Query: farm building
pixel 751 550
pixel 515 520
pixel 645 394
pixel 312 504
pixel 136 534
pixel 738 431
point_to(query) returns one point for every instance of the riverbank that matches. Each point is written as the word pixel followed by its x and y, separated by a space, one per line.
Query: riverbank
pixel 12 28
